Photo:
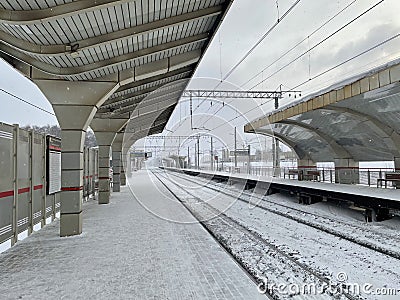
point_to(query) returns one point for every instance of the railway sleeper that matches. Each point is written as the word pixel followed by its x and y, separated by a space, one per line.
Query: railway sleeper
pixel 308 199
pixel 377 214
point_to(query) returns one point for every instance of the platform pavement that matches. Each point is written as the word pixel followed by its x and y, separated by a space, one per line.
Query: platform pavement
pixel 125 252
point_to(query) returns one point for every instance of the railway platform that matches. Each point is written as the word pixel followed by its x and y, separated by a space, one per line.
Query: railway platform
pixel 127 251
pixel 379 200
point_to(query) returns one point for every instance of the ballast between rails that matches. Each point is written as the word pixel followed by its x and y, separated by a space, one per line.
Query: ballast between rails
pixel 315 225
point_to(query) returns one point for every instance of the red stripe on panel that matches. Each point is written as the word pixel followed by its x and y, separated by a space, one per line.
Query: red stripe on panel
pixel 23 190
pixel 6 194
pixel 38 187
pixel 72 188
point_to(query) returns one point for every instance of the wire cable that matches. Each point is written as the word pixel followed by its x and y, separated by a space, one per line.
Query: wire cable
pixel 320 74
pixel 27 102
pixel 302 41
pixel 252 49
pixel 346 61
pixel 309 50
pixel 260 40
pixel 318 44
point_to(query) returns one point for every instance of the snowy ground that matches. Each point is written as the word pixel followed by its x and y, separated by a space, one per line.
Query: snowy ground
pixel 328 254
pixel 125 252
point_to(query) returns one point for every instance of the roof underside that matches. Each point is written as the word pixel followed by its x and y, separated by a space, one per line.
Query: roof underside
pixel 359 120
pixel 144 44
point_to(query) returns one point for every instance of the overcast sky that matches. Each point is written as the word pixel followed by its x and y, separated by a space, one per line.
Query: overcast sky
pixel 246 22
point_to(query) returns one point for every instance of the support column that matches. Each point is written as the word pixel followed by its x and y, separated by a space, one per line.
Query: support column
pixel 123 166
pixel 123 176
pixel 276 158
pixel 346 171
pixel 116 158
pixel 105 131
pixel 104 141
pixel 75 104
pixel 117 163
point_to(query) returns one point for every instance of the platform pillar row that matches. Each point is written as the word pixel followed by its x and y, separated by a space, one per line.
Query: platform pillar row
pixel 75 104
pixel 105 131
pixel 346 171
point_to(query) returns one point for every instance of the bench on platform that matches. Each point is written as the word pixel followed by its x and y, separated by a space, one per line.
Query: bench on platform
pixel 312 175
pixel 293 172
pixel 394 177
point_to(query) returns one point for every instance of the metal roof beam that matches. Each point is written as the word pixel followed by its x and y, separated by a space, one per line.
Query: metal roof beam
pixel 140 95
pixel 25 17
pixel 142 104
pixel 133 97
pixel 87 44
pixel 155 78
pixel 47 68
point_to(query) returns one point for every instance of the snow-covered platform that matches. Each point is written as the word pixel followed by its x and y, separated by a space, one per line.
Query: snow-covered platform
pixel 362 195
pixel 143 245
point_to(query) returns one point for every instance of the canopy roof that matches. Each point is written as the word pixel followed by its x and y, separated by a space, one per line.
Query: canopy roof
pixel 143 45
pixel 358 118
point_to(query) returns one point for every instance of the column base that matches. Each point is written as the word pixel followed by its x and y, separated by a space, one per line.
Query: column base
pixel 116 187
pixel 123 178
pixel 70 224
pixel 104 197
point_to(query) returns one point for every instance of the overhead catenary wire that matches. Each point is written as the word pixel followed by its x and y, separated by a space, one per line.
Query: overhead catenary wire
pixel 320 74
pixel 229 73
pixel 348 60
pixel 260 40
pixel 295 46
pixel 319 43
pixel 27 102
pixel 291 49
pixel 302 41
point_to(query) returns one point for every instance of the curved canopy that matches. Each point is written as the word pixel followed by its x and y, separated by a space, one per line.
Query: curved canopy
pixel 357 119
pixel 141 45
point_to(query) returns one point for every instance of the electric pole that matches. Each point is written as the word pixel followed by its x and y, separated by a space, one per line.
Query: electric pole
pixel 235 151
pixel 212 155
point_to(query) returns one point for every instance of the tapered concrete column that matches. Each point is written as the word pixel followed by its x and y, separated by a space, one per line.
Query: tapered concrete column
pixel 104 141
pixel 75 104
pixel 123 176
pixel 346 171
pixel 276 158
pixel 117 163
pixel 105 131
pixel 116 158
pixel 124 165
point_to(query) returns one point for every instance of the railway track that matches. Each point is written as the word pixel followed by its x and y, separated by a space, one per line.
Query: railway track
pixel 228 232
pixel 247 198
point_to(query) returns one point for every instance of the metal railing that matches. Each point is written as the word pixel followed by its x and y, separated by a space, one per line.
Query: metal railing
pixel 362 176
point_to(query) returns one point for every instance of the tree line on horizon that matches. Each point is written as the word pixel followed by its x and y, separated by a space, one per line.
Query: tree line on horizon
pixel 55 130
